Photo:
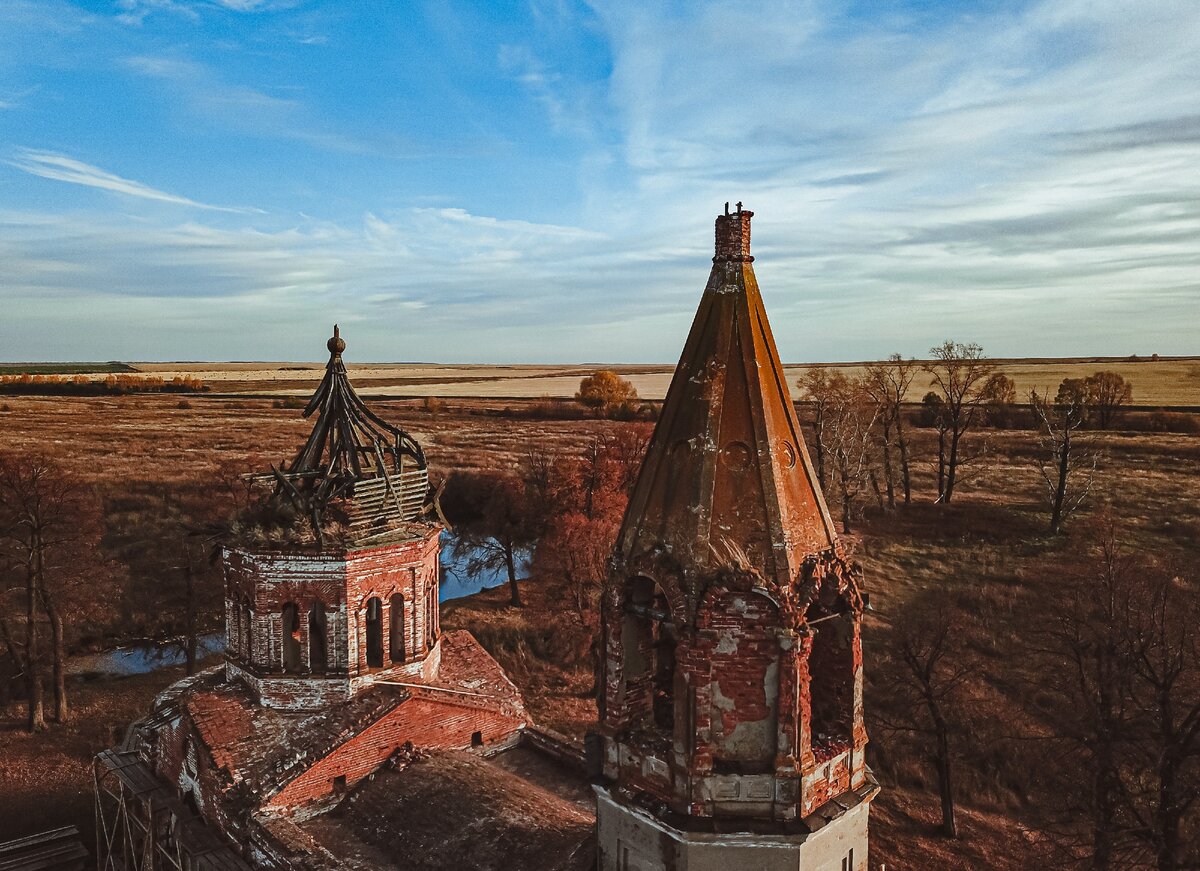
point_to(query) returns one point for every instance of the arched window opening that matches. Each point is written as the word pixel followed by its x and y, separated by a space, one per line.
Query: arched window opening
pixel 831 674
pixel 318 646
pixel 233 627
pixel 743 682
pixel 291 637
pixel 649 639
pixel 246 642
pixel 431 629
pixel 374 633
pixel 397 641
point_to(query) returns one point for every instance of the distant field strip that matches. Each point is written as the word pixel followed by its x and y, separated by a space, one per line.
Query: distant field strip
pixel 1167 382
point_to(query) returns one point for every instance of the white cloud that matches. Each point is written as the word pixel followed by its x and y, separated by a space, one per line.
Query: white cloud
pixel 1021 176
pixel 47 164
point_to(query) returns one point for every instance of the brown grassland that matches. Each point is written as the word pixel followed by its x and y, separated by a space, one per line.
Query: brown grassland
pixel 1171 381
pixel 980 549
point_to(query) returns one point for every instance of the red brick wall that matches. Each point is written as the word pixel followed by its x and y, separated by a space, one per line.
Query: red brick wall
pixel 342 583
pixel 426 722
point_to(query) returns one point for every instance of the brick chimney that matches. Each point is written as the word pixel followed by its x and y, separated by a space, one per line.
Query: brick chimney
pixel 733 236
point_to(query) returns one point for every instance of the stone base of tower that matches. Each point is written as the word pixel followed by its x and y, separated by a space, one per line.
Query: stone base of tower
pixel 630 838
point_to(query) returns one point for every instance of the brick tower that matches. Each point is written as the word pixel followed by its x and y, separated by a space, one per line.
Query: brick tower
pixel 731 706
pixel 334 583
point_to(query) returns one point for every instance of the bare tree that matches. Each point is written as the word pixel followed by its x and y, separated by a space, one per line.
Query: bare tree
pixel 1109 394
pixel 41 511
pixel 962 377
pixel 1165 653
pixel 850 417
pixel 1065 453
pixel 819 385
pixel 888 383
pixel 491 521
pixel 928 666
pixel 1081 636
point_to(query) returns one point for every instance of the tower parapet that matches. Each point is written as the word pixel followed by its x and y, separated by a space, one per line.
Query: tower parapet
pixel 731 707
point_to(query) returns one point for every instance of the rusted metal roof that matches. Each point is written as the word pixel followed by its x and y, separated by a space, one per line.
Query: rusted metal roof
pixel 727 476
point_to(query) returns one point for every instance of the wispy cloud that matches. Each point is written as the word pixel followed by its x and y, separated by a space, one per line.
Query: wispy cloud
pixel 135 12
pixel 47 164
pixel 1021 175
pixel 254 111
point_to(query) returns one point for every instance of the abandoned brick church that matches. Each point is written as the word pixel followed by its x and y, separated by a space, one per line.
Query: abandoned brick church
pixel 345 729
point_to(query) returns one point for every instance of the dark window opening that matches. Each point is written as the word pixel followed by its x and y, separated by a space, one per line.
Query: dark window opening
pixel 339 783
pixel 848 862
pixel 318 647
pixel 374 633
pixel 476 739
pixel 831 666
pixel 189 801
pixel 431 611
pixel 291 637
pixel 398 651
pixel 649 640
pixel 247 635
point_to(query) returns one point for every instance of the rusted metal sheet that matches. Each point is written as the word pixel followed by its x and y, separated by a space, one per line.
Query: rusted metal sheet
pixel 727 467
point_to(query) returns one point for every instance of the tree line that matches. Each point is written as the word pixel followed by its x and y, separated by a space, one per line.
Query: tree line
pixel 861 436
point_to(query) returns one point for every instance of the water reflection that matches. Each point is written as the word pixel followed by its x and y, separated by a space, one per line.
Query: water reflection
pixel 456 582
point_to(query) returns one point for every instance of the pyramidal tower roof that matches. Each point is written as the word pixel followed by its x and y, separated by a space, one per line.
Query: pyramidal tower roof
pixel 348 439
pixel 727 477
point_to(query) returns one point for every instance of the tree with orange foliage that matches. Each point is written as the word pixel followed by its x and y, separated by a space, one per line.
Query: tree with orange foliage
pixel 605 391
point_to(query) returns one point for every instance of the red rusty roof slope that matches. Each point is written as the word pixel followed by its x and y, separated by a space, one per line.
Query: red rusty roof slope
pixel 727 472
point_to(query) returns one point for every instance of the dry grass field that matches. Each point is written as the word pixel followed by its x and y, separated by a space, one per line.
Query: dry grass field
pixel 978 549
pixel 1171 381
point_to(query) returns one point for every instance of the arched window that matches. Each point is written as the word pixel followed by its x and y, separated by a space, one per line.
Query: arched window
pixel 291 637
pixel 233 626
pixel 744 681
pixel 396 645
pixel 247 639
pixel 831 669
pixel 648 637
pixel 374 623
pixel 318 649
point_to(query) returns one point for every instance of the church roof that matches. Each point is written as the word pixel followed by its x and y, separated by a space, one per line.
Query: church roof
pixel 376 471
pixel 727 477
pixel 348 439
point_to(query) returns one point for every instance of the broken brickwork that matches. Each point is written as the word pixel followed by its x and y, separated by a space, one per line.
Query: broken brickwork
pixel 733 659
pixel 363 614
pixel 335 662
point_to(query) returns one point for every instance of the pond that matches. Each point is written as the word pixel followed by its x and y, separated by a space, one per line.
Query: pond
pixel 456 582
pixel 147 656
pixel 143 657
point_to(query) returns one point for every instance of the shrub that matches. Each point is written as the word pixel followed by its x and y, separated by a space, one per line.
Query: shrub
pixel 606 391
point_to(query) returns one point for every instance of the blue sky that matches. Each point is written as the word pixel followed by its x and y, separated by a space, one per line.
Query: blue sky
pixel 536 181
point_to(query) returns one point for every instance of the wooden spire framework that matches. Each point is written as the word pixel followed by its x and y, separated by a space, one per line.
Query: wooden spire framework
pixel 354 454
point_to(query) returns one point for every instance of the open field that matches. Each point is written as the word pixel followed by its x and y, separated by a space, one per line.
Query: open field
pixel 1173 381
pixel 980 550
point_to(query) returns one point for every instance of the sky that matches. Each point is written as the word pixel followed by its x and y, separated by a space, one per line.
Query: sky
pixel 536 181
